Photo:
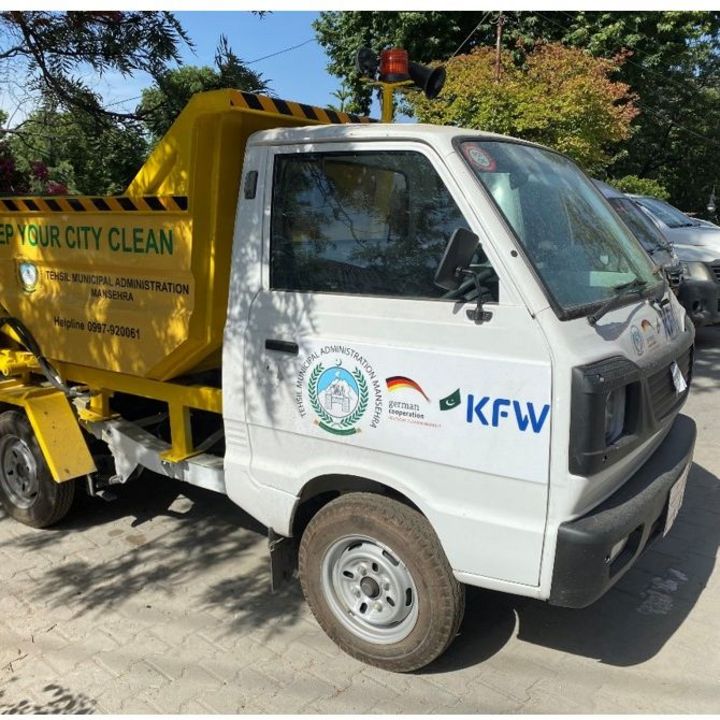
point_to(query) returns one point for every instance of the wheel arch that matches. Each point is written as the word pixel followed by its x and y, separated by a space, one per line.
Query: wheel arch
pixel 320 490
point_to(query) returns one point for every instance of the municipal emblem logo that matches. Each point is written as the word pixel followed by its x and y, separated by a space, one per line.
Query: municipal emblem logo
pixel 339 397
pixel 339 389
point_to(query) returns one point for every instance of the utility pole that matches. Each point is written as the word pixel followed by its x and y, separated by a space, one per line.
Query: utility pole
pixel 498 43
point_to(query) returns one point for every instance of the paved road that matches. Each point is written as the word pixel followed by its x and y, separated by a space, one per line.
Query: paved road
pixel 159 602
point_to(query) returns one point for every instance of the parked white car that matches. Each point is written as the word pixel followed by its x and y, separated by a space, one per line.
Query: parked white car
pixel 678 227
pixel 654 243
pixel 697 244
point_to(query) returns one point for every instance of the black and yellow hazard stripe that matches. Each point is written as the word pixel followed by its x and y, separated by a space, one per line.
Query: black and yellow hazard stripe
pixel 175 203
pixel 145 203
pixel 312 113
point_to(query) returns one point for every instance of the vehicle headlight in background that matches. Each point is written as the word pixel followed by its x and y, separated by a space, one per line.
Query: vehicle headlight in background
pixel 614 415
pixel 697 271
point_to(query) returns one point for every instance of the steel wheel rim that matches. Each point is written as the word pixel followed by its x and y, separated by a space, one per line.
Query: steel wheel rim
pixel 369 589
pixel 18 472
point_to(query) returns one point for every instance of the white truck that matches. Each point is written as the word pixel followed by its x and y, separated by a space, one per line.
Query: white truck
pixel 444 361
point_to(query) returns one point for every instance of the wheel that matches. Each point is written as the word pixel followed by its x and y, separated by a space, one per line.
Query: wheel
pixel 378 582
pixel 27 491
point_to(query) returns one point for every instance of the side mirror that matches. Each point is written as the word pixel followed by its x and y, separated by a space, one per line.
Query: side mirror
pixel 455 261
pixel 454 268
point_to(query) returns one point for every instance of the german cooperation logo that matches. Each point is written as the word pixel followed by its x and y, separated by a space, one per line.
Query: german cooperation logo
pixel 341 388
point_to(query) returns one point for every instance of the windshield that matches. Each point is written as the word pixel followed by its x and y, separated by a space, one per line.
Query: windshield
pixel 577 244
pixel 641 226
pixel 670 215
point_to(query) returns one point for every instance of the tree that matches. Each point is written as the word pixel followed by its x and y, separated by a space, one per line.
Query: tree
pixel 426 35
pixel 62 152
pixel 164 101
pixel 659 40
pixel 672 66
pixel 12 181
pixel 641 186
pixel 675 70
pixel 561 97
pixel 48 49
pixel 343 95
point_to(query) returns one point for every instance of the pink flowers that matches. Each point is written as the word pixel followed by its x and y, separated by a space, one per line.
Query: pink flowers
pixel 55 188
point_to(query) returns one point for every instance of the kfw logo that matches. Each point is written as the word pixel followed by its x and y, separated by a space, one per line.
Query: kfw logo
pixel 490 412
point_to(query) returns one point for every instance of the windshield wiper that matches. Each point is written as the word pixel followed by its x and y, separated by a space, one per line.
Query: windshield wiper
pixel 624 290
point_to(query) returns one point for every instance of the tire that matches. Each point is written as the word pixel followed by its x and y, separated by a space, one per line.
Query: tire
pixel 378 582
pixel 28 492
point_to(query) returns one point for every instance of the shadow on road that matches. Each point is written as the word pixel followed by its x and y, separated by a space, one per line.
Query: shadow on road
pixel 627 626
pixel 173 557
pixel 57 701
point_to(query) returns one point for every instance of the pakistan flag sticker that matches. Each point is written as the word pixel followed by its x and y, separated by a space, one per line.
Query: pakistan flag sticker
pixel 451 401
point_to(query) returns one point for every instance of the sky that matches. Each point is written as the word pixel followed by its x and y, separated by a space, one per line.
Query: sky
pixel 298 74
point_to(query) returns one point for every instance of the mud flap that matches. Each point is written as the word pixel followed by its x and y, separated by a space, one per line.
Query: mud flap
pixel 283 559
pixel 56 428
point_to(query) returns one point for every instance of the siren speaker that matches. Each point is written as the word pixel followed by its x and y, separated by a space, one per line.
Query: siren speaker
pixel 366 62
pixel 429 80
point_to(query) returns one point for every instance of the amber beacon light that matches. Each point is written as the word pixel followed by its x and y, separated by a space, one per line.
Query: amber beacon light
pixel 394 65
pixel 392 70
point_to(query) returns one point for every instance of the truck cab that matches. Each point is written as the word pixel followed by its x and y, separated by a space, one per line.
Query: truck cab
pixel 540 439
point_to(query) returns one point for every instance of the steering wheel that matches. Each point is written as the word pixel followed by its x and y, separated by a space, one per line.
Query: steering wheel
pixel 468 284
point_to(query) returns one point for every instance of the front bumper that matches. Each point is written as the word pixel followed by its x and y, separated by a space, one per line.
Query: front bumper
pixel 637 511
pixel 701 300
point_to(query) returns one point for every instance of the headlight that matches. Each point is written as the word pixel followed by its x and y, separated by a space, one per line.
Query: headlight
pixel 697 271
pixel 614 415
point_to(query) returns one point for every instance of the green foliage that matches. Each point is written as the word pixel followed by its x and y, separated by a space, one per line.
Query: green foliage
pixel 673 67
pixel 163 102
pixel 70 152
pixel 560 97
pixel 12 180
pixel 50 48
pixel 675 70
pixel 342 33
pixel 428 37
pixel 641 186
pixel 343 95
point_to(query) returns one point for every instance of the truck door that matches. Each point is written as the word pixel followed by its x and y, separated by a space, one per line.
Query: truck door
pixel 356 365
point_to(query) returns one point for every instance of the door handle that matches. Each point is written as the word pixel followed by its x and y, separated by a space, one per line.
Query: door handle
pixel 281 346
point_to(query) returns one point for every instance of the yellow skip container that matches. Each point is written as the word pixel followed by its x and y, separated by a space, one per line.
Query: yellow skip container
pixel 138 284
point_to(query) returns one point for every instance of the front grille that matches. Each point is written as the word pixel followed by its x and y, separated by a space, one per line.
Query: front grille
pixel 715 267
pixel 663 397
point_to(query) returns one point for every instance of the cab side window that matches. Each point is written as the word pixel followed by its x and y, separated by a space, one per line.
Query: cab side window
pixel 367 223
